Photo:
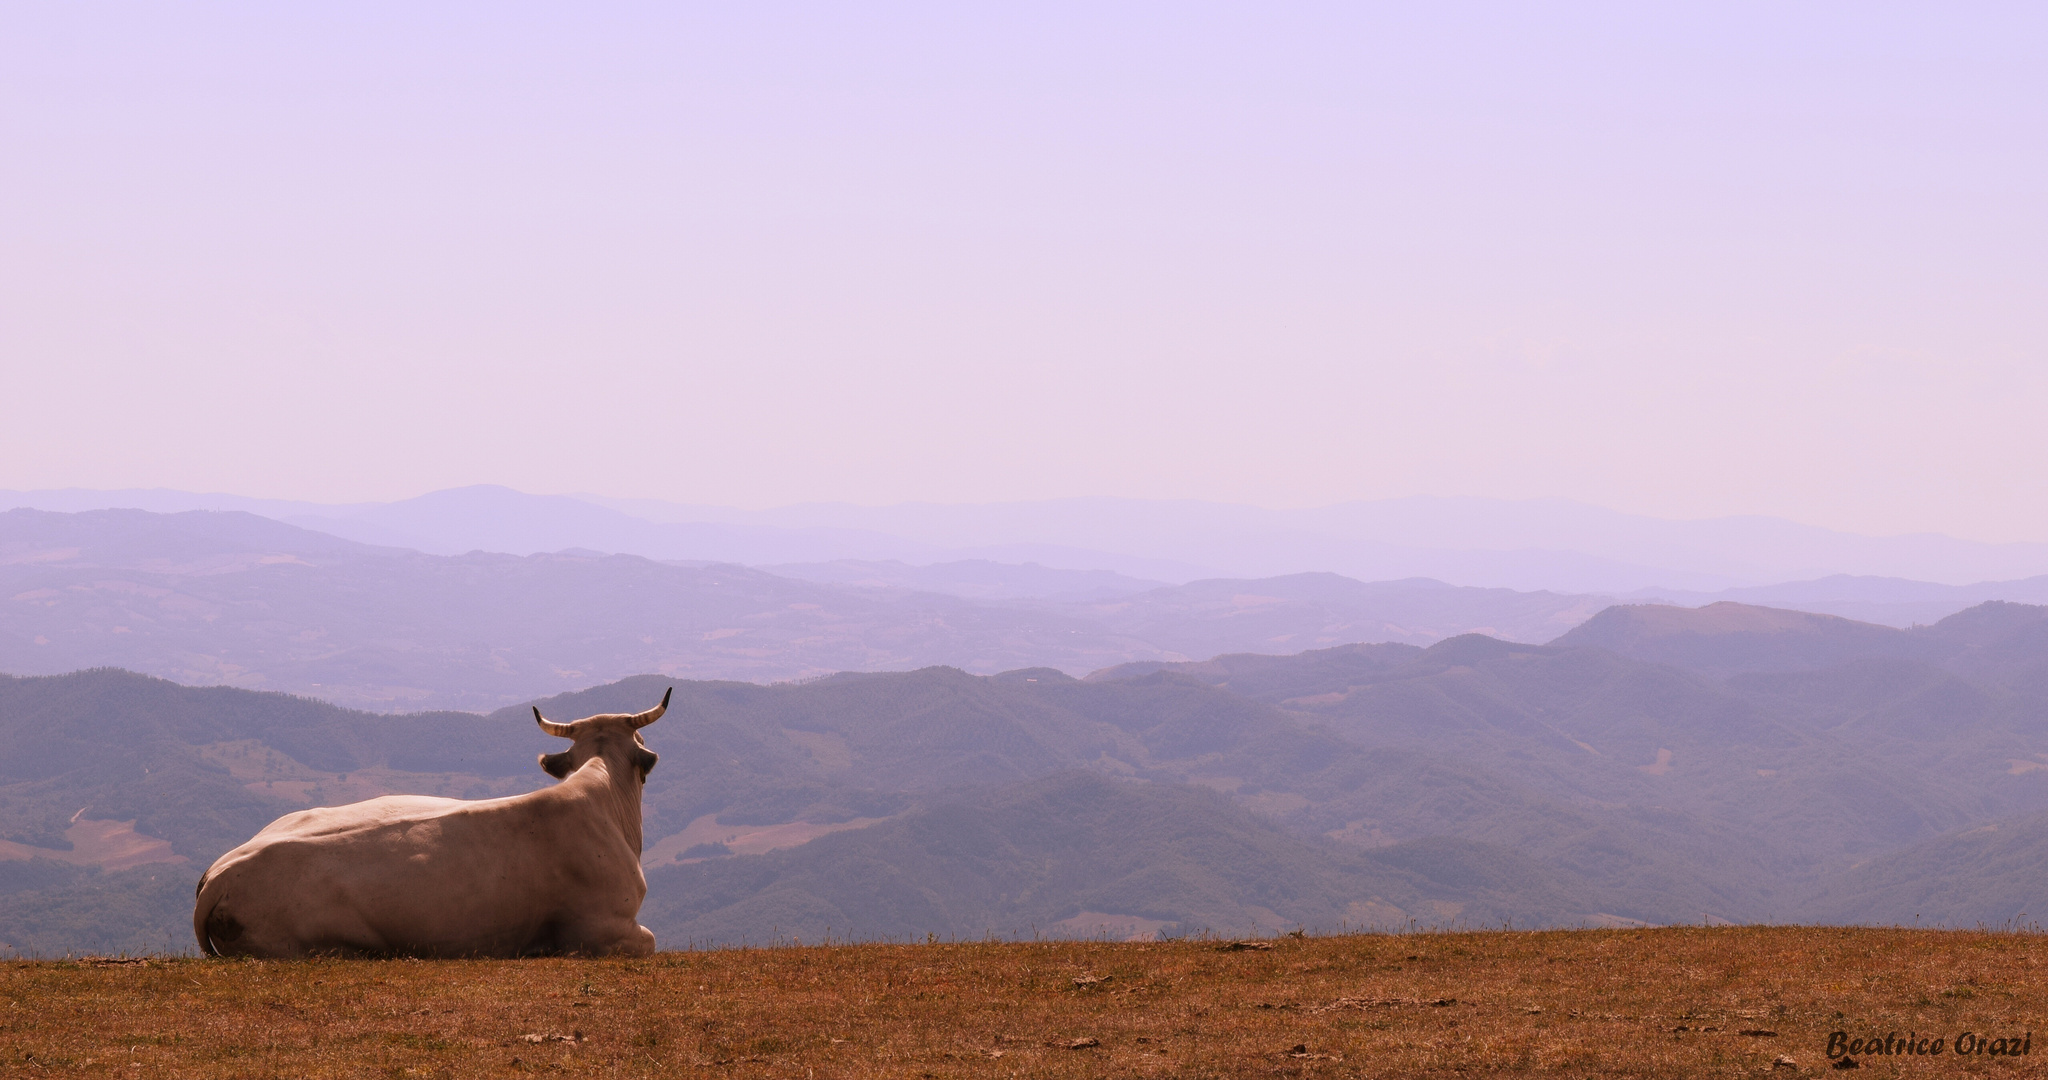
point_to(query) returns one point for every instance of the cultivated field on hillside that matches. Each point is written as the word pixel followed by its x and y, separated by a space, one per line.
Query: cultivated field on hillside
pixel 1668 1002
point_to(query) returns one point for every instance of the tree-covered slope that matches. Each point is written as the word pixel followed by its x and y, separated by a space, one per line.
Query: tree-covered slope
pixel 1081 854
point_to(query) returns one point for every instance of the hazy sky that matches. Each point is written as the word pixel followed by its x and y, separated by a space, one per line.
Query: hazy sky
pixel 1685 260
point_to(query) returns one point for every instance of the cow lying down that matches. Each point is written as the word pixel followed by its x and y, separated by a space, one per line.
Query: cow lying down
pixel 553 871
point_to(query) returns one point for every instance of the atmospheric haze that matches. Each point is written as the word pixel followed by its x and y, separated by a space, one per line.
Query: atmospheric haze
pixel 1683 261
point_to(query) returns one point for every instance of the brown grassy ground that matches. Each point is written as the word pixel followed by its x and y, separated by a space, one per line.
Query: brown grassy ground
pixel 1672 1002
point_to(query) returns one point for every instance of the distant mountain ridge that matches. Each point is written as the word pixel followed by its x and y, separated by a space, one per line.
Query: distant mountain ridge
pixel 1887 601
pixel 1996 640
pixel 1469 541
pixel 235 598
pixel 230 597
pixel 1529 545
pixel 972 579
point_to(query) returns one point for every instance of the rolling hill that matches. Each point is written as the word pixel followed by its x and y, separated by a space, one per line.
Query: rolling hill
pixel 1723 638
pixel 123 786
pixel 1998 642
pixel 1805 766
pixel 1477 780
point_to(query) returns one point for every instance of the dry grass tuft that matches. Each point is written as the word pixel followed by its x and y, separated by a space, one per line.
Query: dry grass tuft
pixel 1591 1003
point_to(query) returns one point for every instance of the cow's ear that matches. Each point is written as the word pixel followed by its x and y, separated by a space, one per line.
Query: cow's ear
pixel 644 760
pixel 556 765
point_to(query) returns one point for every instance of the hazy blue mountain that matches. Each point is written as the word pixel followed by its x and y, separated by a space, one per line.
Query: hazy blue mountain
pixel 1524 544
pixel 1288 614
pixel 1530 545
pixel 1995 642
pixel 167 501
pixel 232 598
pixel 1894 602
pixel 1727 637
pixel 136 539
pixel 497 519
pixel 972 579
pixel 1227 540
pixel 241 600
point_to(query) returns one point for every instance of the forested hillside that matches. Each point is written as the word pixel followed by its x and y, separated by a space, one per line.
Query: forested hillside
pixel 1476 781
pixel 1822 744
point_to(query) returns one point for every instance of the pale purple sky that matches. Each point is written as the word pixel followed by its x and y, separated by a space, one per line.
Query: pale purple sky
pixel 1684 260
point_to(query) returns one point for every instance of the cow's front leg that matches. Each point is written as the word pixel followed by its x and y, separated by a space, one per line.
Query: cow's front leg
pixel 609 938
pixel 641 942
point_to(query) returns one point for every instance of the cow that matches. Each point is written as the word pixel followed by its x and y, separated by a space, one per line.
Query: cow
pixel 551 872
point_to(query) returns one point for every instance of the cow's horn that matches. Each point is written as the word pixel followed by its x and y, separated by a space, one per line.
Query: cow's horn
pixel 651 715
pixel 552 728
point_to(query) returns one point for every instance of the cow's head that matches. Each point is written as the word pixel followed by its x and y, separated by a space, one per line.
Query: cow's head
pixel 612 736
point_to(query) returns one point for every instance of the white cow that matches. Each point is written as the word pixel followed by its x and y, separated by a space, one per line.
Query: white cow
pixel 553 871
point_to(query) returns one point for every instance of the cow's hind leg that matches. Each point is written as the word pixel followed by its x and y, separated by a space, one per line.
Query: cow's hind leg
pixel 233 932
pixel 278 932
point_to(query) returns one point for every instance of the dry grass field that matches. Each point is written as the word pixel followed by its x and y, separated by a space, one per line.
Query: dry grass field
pixel 1668 1002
